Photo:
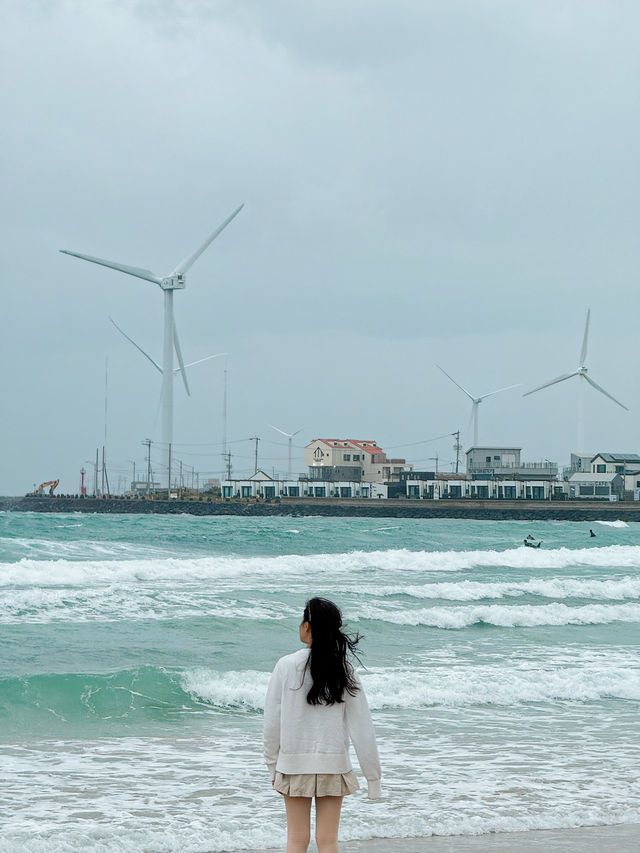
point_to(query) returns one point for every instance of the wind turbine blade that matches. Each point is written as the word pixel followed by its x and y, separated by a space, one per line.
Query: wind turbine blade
pixel 200 360
pixel 552 382
pixel 281 431
pixel 183 372
pixel 188 262
pixel 499 391
pixel 470 396
pixel 585 341
pixel 296 432
pixel 131 341
pixel 602 391
pixel 147 275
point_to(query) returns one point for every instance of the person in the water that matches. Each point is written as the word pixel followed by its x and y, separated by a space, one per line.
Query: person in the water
pixel 592 534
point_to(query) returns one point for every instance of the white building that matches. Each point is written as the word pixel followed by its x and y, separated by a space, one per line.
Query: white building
pixel 595 485
pixel 625 464
pixel 262 486
pixel 351 459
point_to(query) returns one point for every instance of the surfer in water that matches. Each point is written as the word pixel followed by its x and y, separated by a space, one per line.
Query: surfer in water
pixel 592 534
pixel 528 543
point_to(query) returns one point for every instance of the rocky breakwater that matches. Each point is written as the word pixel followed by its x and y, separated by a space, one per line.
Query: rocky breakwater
pixel 493 510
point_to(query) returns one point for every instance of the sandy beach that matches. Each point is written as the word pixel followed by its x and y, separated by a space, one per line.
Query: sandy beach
pixel 624 838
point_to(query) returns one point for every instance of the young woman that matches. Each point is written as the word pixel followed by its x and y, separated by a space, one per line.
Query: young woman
pixel 315 704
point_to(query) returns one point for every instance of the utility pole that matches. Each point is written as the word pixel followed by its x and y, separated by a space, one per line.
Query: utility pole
pixel 148 443
pixel 457 447
pixel 133 481
pixel 95 476
pixel 169 475
pixel 180 481
pixel 256 439
pixel 105 478
pixel 228 464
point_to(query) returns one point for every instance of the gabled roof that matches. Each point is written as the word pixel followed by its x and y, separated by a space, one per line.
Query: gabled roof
pixel 260 475
pixel 582 477
pixel 618 457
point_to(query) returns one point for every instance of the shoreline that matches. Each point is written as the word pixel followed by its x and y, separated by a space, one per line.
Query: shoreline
pixel 487 510
pixel 623 838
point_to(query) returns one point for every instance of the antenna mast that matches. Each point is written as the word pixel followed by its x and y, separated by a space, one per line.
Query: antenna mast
pixel 224 414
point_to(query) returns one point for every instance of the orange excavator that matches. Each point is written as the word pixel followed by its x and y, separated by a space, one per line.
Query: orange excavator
pixel 52 485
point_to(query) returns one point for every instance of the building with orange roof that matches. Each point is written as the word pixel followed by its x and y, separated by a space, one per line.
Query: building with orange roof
pixel 352 459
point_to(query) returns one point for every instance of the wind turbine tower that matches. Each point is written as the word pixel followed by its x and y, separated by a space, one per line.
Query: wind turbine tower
pixel 582 373
pixel 475 401
pixel 290 436
pixel 175 280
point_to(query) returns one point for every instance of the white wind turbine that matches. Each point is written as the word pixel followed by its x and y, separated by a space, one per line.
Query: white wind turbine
pixel 582 373
pixel 475 401
pixel 176 280
pixel 290 436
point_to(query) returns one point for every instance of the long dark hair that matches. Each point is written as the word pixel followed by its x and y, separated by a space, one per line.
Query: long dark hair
pixel 331 671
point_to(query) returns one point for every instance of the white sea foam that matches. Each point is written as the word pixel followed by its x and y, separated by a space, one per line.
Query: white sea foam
pixel 504 616
pixel 457 686
pixel 627 587
pixel 50 572
pixel 618 523
pixel 182 600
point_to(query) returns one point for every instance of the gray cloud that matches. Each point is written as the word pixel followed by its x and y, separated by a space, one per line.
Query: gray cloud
pixel 451 182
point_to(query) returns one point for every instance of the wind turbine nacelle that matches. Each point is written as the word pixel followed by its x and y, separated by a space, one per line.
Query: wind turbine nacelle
pixel 174 282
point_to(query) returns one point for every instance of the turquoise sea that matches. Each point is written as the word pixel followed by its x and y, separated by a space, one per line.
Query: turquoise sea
pixel 135 653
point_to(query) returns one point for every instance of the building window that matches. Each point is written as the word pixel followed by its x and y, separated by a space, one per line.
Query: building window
pixel 356 457
pixel 586 490
pixel 602 490
pixel 320 491
pixel 294 491
pixel 619 469
pixel 496 458
pixel 346 457
pixel 487 459
pixel 601 469
pixel 246 491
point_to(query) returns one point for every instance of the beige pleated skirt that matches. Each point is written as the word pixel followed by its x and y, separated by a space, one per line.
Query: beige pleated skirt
pixel 316 784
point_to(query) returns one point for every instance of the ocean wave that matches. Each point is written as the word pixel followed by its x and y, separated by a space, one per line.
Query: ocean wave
pixel 617 523
pixel 441 686
pixel 144 601
pixel 74 701
pixel 51 572
pixel 627 587
pixel 504 616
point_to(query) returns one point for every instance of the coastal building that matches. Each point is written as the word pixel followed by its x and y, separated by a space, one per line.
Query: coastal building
pixel 356 460
pixel 261 486
pixel 505 463
pixel 596 485
pixel 625 464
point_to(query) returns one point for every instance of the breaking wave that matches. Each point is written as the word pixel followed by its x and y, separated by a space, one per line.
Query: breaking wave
pixel 50 572
pixel 504 616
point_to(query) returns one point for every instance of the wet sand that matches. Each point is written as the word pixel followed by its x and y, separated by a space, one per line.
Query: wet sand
pixel 624 838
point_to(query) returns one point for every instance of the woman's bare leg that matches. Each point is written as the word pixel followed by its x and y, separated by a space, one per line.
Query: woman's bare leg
pixel 327 823
pixel 298 823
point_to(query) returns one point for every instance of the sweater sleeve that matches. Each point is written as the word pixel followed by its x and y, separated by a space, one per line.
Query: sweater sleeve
pixel 271 731
pixel 363 737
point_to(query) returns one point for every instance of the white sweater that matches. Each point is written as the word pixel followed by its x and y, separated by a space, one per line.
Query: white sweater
pixel 303 738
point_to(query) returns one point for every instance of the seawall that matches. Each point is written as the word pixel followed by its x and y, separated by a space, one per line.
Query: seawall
pixel 491 510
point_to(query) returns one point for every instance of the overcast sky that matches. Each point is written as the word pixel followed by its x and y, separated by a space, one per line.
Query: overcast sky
pixel 450 182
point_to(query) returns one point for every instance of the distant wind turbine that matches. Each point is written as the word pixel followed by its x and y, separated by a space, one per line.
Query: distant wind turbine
pixel 475 401
pixel 157 366
pixel 176 280
pixel 581 372
pixel 290 436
